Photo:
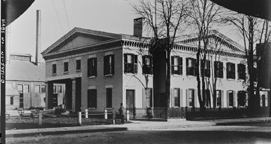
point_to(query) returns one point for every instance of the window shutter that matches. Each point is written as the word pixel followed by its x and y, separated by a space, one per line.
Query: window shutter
pixel 144 64
pixel 233 69
pixel 125 62
pixel 113 64
pixel 221 69
pixel 143 98
pixel 181 98
pixel 89 67
pixel 172 65
pixel 172 97
pixel 180 61
pixel 187 68
pixel 228 99
pixel 187 97
pixel 105 65
pixel 135 63
pixel 95 66
pixel 222 99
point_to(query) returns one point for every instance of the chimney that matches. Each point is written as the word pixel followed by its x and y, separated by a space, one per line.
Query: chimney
pixel 38 34
pixel 138 26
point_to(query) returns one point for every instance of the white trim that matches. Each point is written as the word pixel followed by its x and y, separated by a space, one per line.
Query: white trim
pixel 92 56
pixel 109 53
pixel 54 62
pixel 109 86
pixel 66 60
pixel 91 87
pixel 66 76
pixel 78 58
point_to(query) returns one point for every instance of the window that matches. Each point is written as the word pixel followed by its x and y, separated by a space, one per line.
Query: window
pixel 230 94
pixel 109 65
pixel 205 68
pixel 59 89
pixel 130 63
pixel 176 97
pixel 43 89
pixel 241 71
pixel 231 70
pixel 176 65
pixel 207 98
pixel 241 98
pixel 20 88
pixel 218 98
pixel 26 89
pixel 92 67
pixel 191 66
pixel 109 97
pixel 92 98
pixel 147 64
pixel 37 89
pixel 66 67
pixel 54 89
pixel 264 100
pixel 11 100
pixel 54 69
pixel 191 97
pixel 78 65
pixel 218 69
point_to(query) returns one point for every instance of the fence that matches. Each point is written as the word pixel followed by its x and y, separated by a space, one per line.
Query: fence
pixel 195 113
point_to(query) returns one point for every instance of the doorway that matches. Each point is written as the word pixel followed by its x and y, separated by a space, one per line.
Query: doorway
pixel 130 101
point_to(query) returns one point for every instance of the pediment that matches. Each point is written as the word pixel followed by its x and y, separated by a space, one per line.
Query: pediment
pixel 217 41
pixel 78 38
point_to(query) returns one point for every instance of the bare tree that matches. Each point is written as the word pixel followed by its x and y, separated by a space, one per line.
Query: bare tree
pixel 164 18
pixel 251 30
pixel 203 16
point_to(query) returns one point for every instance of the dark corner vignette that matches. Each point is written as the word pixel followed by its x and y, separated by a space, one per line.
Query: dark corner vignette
pixel 3 70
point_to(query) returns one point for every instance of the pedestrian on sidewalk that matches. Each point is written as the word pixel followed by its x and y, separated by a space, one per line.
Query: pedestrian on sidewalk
pixel 121 109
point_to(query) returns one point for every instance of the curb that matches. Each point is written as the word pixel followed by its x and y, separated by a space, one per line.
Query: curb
pixel 40 133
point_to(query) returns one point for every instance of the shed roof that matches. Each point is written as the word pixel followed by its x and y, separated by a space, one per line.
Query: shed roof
pixel 25 71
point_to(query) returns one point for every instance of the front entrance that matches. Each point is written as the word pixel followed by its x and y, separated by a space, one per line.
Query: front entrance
pixel 130 101
pixel 21 105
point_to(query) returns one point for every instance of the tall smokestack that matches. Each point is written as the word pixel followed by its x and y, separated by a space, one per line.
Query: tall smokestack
pixel 38 30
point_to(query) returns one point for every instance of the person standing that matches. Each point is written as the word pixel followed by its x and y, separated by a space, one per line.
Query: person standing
pixel 121 109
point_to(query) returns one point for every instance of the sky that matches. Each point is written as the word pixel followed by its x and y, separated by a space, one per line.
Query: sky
pixel 60 16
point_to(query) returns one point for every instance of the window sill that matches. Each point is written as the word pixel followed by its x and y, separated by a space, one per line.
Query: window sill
pixel 92 77
pixel 66 72
pixel 54 74
pixel 176 75
pixel 78 70
pixel 230 79
pixel 108 75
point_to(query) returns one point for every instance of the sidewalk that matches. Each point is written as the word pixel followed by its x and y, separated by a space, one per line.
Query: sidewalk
pixel 134 125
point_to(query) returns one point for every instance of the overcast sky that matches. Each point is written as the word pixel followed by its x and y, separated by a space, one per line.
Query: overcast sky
pixel 60 16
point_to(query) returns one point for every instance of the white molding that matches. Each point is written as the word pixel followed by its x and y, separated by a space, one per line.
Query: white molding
pixel 66 76
pixel 91 87
pixel 92 56
pixel 108 86
pixel 108 53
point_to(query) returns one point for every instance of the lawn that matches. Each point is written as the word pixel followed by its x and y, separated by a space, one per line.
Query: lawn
pixel 29 123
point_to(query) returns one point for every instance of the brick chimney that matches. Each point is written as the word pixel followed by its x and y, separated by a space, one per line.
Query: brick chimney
pixel 38 35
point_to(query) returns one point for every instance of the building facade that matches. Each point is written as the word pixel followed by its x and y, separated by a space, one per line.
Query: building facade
pixel 25 83
pixel 100 70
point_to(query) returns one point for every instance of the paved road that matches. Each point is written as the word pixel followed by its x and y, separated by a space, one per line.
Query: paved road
pixel 247 134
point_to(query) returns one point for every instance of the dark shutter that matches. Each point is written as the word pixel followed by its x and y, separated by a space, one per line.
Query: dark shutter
pixel 180 68
pixel 125 63
pixel 228 70
pixel 233 71
pixel 172 65
pixel 105 65
pixel 151 65
pixel 113 64
pixel 95 66
pixel 144 68
pixel 135 63
pixel 89 67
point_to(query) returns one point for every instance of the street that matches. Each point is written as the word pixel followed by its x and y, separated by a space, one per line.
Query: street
pixel 247 134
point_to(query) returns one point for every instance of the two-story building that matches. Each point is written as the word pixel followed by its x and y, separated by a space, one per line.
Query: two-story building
pixel 101 70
